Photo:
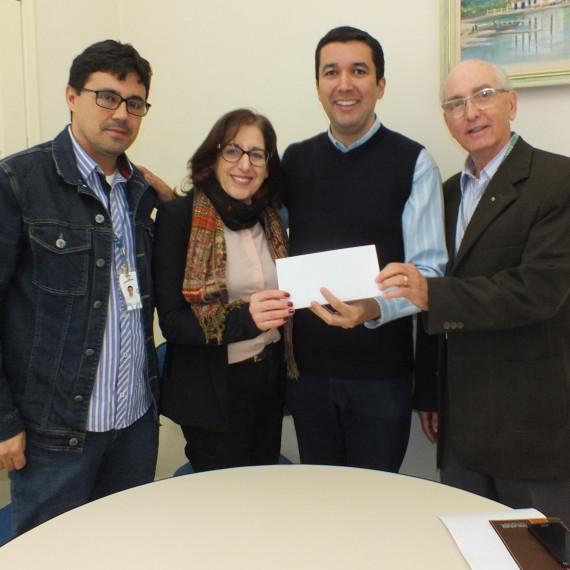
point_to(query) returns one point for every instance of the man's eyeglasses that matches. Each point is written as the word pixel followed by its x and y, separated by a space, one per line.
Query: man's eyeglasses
pixel 483 99
pixel 232 152
pixel 110 100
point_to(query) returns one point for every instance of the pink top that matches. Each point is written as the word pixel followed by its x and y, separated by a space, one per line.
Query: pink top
pixel 249 269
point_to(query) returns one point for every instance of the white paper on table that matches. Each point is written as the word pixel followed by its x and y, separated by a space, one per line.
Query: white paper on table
pixel 348 273
pixel 478 541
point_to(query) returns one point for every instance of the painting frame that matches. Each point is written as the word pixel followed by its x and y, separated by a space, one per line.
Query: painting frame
pixel 537 75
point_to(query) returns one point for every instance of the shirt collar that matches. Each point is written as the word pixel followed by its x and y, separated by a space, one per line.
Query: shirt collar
pixel 364 138
pixel 86 165
pixel 491 167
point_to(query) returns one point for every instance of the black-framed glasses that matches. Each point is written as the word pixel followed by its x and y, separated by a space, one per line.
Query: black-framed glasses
pixel 232 152
pixel 482 99
pixel 111 100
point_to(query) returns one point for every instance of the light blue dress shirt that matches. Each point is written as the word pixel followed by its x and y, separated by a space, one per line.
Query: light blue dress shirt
pixel 422 227
pixel 473 188
pixel 121 394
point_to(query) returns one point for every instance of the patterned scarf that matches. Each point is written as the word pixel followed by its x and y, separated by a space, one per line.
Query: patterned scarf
pixel 204 285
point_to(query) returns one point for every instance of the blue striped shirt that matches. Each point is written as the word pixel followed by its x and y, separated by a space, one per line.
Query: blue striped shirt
pixel 422 227
pixel 120 394
pixel 473 188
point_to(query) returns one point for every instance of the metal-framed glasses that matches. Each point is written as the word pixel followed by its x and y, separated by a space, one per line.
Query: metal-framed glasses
pixel 232 152
pixel 482 99
pixel 111 100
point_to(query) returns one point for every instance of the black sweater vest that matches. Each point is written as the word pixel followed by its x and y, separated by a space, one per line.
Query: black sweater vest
pixel 338 200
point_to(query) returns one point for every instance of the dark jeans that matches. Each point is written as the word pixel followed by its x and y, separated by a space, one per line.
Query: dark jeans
pixel 253 436
pixel 54 482
pixel 356 423
pixel 550 496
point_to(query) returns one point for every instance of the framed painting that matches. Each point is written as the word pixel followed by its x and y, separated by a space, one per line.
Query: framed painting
pixel 529 38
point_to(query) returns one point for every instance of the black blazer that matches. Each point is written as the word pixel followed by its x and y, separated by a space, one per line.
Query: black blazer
pixel 194 386
pixel 504 307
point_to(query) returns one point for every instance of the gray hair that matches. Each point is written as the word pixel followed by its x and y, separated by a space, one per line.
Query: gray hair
pixel 502 77
pixel 503 80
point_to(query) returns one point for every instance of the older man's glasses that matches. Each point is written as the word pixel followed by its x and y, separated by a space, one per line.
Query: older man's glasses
pixel 483 99
pixel 111 100
pixel 232 152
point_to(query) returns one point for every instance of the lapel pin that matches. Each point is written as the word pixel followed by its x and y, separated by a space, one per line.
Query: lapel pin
pixel 493 199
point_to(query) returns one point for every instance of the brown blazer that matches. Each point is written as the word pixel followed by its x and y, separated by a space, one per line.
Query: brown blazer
pixel 504 308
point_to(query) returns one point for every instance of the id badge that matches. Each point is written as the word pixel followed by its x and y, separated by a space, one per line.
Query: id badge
pixel 130 289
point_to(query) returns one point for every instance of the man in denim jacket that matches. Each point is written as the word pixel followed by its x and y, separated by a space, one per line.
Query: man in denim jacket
pixel 78 415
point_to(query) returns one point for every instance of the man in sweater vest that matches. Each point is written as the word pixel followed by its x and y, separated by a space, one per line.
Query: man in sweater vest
pixel 357 184
pixel 503 417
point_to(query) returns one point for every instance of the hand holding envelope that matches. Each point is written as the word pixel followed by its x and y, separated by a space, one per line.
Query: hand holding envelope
pixel 270 308
pixel 404 280
pixel 345 315
pixel 349 272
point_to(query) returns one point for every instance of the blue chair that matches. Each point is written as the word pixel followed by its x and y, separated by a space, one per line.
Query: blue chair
pixel 161 357
pixel 185 469
pixel 5 524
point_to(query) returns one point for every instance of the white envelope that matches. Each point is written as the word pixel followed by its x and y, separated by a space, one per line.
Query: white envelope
pixel 348 273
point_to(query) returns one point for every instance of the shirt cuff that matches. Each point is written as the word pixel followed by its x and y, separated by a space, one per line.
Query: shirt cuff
pixel 390 310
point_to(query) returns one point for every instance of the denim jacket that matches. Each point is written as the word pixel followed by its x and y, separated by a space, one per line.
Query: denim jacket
pixel 55 267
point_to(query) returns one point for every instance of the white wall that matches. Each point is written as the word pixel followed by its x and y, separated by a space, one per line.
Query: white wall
pixel 12 103
pixel 210 57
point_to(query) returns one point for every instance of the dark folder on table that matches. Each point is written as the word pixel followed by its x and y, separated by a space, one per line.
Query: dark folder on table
pixel 525 549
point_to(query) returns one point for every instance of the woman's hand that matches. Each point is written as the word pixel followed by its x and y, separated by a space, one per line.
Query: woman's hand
pixel 270 309
pixel 162 189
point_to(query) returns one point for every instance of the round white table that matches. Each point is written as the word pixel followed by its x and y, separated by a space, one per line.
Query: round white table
pixel 277 517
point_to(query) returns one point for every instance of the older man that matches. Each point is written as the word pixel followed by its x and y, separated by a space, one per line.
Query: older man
pixel 503 306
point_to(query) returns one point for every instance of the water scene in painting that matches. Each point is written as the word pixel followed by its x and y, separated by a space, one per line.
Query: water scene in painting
pixel 511 32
